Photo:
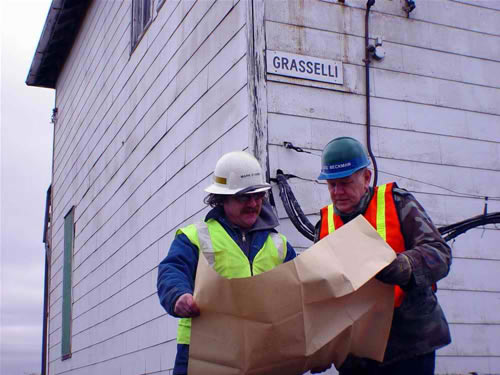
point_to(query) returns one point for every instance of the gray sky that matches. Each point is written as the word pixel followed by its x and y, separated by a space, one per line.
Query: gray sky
pixel 26 152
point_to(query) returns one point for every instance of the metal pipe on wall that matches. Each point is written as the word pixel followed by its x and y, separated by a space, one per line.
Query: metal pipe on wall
pixel 369 4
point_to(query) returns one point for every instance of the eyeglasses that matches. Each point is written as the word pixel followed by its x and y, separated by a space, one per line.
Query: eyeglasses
pixel 244 198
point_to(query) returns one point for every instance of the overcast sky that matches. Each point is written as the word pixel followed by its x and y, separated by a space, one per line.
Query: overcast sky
pixel 26 152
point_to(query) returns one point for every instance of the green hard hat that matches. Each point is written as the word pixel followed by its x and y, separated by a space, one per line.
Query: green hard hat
pixel 342 157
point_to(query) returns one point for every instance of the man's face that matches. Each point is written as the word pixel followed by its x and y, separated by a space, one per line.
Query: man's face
pixel 347 192
pixel 243 210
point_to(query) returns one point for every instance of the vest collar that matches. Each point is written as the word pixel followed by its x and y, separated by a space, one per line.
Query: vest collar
pixel 360 208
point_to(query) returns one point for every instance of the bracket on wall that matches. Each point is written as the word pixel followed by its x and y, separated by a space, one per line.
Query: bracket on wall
pixel 53 118
pixel 409 6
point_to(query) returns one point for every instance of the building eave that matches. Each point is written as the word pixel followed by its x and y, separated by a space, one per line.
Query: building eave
pixel 59 33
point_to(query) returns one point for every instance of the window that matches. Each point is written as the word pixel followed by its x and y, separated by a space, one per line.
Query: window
pixel 142 13
pixel 67 300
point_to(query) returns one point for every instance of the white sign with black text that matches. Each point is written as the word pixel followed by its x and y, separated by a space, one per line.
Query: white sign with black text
pixel 305 67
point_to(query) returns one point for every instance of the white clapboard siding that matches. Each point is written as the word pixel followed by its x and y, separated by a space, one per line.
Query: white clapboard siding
pixel 479 243
pixel 386 113
pixel 447 209
pixel 309 103
pixel 95 79
pixel 96 25
pixel 487 4
pixel 349 20
pixel 480 337
pixel 109 117
pixel 134 155
pixel 446 13
pixel 137 137
pixel 473 275
pixel 466 365
pixel 132 106
pixel 413 60
pixel 154 206
pixel 470 306
pixel 81 123
pixel 95 281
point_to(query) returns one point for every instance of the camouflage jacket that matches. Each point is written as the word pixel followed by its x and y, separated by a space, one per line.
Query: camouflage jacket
pixel 419 325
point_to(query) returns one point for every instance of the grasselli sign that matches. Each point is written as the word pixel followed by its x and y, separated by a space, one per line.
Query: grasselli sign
pixel 304 67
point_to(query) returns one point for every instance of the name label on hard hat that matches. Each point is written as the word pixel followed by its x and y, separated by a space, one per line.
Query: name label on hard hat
pixel 338 166
pixel 305 67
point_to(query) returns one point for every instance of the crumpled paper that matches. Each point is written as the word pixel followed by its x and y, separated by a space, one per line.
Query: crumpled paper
pixel 304 314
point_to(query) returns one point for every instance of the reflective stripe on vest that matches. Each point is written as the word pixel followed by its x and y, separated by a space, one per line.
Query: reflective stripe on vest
pixel 382 215
pixel 225 256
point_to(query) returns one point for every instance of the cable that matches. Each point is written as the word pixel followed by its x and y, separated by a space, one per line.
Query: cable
pixel 304 226
pixel 441 187
pixel 292 207
pixel 290 146
pixel 452 231
pixel 297 209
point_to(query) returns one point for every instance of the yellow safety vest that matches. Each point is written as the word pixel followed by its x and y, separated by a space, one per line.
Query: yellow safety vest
pixel 227 259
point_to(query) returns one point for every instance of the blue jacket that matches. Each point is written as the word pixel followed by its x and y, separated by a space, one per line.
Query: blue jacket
pixel 177 272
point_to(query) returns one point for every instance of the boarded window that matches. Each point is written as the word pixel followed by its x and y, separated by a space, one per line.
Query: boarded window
pixel 142 12
pixel 67 300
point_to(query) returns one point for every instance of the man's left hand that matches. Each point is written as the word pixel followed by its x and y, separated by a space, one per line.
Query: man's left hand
pixel 396 273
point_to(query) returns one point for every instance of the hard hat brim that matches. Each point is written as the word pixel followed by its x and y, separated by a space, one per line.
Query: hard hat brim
pixel 217 189
pixel 335 175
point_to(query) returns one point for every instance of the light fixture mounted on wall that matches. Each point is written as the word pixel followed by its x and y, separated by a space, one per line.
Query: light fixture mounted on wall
pixel 376 51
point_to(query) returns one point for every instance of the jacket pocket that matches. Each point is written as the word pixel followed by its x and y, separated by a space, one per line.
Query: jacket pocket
pixel 418 302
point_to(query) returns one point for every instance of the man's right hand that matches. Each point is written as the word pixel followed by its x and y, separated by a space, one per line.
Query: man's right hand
pixel 186 306
pixel 396 273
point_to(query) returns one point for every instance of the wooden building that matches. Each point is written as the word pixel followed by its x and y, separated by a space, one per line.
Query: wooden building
pixel 150 93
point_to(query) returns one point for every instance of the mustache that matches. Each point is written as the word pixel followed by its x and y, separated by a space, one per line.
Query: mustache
pixel 250 211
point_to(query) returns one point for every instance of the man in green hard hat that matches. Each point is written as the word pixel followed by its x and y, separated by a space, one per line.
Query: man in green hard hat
pixel 419 326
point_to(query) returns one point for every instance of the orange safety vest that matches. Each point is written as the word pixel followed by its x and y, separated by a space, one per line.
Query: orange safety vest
pixel 382 215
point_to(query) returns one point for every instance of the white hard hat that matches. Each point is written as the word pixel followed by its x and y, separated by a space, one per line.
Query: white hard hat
pixel 237 172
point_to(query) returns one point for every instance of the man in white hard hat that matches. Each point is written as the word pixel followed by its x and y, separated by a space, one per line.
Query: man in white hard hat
pixel 237 237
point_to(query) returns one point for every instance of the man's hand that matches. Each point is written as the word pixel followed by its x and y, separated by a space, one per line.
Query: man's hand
pixel 186 306
pixel 396 273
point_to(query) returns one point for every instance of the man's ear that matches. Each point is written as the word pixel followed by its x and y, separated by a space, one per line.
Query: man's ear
pixel 367 175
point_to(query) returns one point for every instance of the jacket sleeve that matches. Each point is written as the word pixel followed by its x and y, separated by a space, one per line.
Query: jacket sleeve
pixel 428 253
pixel 317 230
pixel 177 272
pixel 290 252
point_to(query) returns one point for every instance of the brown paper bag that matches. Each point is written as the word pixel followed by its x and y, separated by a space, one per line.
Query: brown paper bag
pixel 304 314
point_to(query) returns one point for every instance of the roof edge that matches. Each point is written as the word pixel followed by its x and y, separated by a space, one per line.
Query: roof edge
pixel 58 35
